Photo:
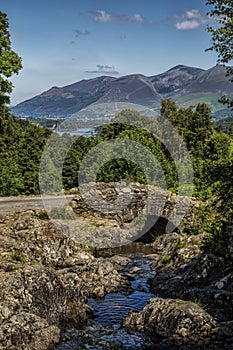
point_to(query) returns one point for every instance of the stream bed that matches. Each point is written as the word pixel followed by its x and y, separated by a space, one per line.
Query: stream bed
pixel 104 332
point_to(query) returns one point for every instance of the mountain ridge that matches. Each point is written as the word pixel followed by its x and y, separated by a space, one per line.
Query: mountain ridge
pixel 186 85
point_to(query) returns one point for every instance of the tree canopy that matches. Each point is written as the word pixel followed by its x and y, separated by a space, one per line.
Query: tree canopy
pixel 222 36
pixel 10 62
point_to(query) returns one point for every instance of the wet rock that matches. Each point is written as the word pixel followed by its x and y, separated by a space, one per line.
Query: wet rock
pixel 134 270
pixel 96 337
pixel 119 261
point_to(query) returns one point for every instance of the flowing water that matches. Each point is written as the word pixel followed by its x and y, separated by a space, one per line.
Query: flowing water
pixel 105 332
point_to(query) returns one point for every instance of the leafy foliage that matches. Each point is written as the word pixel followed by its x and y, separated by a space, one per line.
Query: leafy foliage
pixel 22 143
pixel 10 62
pixel 222 36
pixel 21 146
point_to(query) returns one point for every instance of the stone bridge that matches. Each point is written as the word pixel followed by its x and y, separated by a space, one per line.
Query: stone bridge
pixel 125 202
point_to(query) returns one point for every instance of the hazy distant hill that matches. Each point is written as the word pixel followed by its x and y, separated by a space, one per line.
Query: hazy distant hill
pixel 224 123
pixel 186 85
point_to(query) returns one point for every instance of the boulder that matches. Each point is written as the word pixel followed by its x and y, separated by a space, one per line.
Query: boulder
pixel 176 323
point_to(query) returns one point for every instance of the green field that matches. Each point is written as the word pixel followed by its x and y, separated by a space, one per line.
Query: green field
pixel 193 99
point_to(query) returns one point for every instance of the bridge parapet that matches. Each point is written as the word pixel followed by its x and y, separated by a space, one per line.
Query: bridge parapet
pixel 127 201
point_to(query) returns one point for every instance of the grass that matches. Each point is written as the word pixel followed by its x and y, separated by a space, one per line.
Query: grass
pixel 2 297
pixel 72 191
pixel 199 301
pixel 180 244
pixel 165 260
pixel 193 99
pixel 17 256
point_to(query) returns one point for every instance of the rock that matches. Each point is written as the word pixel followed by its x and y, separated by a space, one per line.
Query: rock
pixel 95 336
pixel 134 270
pixel 204 273
pixel 185 271
pixel 132 199
pixel 28 331
pixel 33 306
pixel 119 261
pixel 225 282
pixel 176 251
pixel 219 284
pixel 46 279
pixel 176 322
pixel 74 190
pixel 126 190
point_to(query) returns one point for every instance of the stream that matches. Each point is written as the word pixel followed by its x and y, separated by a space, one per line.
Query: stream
pixel 104 332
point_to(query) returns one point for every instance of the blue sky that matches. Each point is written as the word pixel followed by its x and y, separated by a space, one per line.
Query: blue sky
pixel 62 42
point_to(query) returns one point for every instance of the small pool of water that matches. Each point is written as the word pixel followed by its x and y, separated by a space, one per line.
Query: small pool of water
pixel 105 332
pixel 115 306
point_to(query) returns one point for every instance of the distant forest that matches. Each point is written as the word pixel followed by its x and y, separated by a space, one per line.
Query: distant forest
pixel 210 149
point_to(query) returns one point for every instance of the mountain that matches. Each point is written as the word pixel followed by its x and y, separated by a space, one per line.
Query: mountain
pixel 186 85
pixel 174 79
pixel 213 79
pixel 135 88
pixel 64 101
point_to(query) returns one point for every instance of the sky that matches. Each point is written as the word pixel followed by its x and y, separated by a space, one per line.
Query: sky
pixel 64 41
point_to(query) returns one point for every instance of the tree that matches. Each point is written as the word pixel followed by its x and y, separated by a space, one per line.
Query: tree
pixel 10 62
pixel 222 37
pixel 222 43
pixel 11 179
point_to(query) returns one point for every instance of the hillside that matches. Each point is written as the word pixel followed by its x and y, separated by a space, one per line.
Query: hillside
pixel 186 85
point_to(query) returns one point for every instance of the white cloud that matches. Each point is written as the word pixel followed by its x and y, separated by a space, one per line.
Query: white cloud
pixel 100 16
pixel 186 25
pixel 137 18
pixel 191 19
pixel 193 14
